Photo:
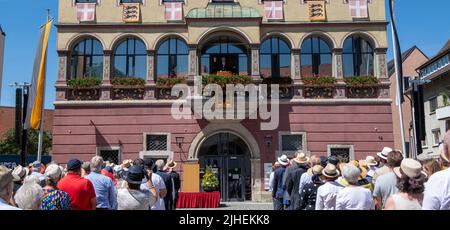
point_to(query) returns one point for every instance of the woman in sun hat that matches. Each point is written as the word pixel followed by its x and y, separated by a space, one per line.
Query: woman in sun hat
pixel 308 194
pixel 327 193
pixel 410 182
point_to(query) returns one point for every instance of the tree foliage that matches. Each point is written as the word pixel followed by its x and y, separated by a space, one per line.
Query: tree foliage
pixel 8 143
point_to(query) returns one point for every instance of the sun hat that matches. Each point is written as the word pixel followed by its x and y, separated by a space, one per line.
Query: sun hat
pixel 316 170
pixel 74 164
pixel 410 167
pixel 19 173
pixel 301 158
pixel 370 161
pixel 135 174
pixel 283 160
pixel 171 164
pixel 361 168
pixel 330 171
pixel 6 176
pixel 384 153
pixel 53 172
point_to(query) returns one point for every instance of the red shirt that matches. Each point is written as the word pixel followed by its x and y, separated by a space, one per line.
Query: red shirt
pixel 110 175
pixel 80 191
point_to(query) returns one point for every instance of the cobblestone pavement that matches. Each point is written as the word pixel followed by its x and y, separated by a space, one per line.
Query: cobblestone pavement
pixel 241 206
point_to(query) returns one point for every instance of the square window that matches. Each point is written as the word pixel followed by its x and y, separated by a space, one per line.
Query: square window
pixel 436 137
pixel 433 104
pixel 343 154
pixel 113 156
pixel 156 142
pixel 293 142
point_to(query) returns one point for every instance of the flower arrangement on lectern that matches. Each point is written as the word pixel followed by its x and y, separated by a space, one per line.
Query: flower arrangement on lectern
pixel 210 182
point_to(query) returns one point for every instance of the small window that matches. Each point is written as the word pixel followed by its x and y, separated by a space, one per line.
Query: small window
pixel 436 137
pixel 342 154
pixel 131 1
pixel 293 142
pixel 433 104
pixel 112 156
pixel 425 142
pixel 157 142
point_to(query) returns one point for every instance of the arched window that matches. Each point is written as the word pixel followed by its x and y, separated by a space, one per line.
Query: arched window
pixel 357 57
pixel 130 59
pixel 86 59
pixel 316 58
pixel 172 59
pixel 275 58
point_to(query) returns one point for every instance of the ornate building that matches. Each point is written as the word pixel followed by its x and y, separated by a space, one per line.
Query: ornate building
pixel 132 50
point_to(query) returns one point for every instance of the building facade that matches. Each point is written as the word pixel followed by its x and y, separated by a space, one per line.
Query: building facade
pixel 8 116
pixel 265 40
pixel 436 99
pixel 411 60
pixel 2 53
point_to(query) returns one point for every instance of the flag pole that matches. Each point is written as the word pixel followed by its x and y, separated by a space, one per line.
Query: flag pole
pixel 41 126
pixel 399 76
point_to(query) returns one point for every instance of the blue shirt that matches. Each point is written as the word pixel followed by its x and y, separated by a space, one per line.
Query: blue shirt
pixel 278 185
pixel 106 194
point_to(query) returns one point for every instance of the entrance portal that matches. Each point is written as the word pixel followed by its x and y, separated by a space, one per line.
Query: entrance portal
pixel 229 157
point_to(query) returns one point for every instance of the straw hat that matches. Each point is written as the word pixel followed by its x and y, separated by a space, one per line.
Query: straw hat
pixel 301 158
pixel 283 160
pixel 316 170
pixel 171 164
pixel 370 161
pixel 410 167
pixel 384 153
pixel 330 171
pixel 19 173
pixel 362 169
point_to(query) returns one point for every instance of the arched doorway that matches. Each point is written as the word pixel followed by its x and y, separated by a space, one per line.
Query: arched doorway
pixel 229 156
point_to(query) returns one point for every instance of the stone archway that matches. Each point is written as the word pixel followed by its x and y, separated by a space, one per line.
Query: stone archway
pixel 239 130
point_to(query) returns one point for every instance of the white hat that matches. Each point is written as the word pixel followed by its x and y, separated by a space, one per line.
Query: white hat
pixel 19 173
pixel 384 153
pixel 301 158
pixel 370 161
pixel 410 167
pixel 283 160
pixel 53 172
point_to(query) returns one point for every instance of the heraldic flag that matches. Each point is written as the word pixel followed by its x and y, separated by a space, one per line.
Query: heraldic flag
pixel 36 93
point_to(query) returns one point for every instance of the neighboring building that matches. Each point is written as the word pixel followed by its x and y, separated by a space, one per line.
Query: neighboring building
pixel 2 52
pixel 8 117
pixel 436 97
pixel 411 60
pixel 121 123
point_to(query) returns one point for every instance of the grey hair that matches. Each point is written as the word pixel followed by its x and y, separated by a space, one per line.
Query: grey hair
pixel 160 164
pixel 96 163
pixel 29 195
pixel 351 173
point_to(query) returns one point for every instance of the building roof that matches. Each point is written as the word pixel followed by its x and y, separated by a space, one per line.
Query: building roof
pixel 224 11
pixel 444 51
pixel 405 55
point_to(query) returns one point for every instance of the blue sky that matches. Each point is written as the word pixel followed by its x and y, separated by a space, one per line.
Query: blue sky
pixel 419 23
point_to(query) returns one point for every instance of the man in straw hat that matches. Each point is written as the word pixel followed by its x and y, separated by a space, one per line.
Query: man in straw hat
pixel 176 182
pixel 383 155
pixel 19 174
pixel 327 193
pixel 308 194
pixel 307 177
pixel 437 189
pixel 278 186
pixel 294 173
pixel 6 188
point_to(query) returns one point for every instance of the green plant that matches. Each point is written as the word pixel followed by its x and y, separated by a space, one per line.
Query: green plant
pixel 88 82
pixel 445 98
pixel 169 82
pixel 277 80
pixel 8 143
pixel 319 81
pixel 363 81
pixel 209 179
pixel 224 80
pixel 128 81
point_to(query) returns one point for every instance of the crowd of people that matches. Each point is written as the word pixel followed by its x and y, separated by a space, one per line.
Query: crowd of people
pixel 386 181
pixel 94 185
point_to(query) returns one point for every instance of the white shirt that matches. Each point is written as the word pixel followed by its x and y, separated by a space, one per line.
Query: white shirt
pixel 354 198
pixel 304 180
pixel 159 184
pixel 326 196
pixel 437 191
pixel 128 199
pixel 5 206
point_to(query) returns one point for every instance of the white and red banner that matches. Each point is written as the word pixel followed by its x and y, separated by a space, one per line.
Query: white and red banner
pixel 174 11
pixel 86 12
pixel 274 10
pixel 358 8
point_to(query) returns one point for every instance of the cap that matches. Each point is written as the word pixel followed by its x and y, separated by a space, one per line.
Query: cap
pixel 74 164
